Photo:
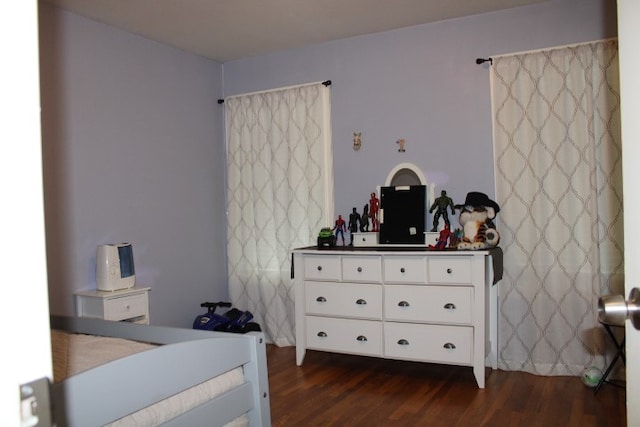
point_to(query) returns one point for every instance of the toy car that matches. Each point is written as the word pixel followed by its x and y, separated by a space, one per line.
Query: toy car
pixel 326 239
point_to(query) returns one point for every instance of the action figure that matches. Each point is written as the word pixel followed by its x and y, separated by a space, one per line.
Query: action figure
pixel 364 220
pixel 374 205
pixel 440 205
pixel 354 220
pixel 340 228
pixel 445 234
pixel 456 237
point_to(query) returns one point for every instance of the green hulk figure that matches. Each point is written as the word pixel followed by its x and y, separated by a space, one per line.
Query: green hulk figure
pixel 440 205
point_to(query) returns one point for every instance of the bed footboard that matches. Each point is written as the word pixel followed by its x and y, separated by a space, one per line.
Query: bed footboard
pixel 184 359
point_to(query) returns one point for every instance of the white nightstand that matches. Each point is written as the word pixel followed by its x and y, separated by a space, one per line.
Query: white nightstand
pixel 131 305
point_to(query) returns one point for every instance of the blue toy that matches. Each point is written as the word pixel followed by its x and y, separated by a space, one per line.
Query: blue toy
pixel 234 320
pixel 211 321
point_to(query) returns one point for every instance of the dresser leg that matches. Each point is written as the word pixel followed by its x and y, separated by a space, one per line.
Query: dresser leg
pixel 478 371
pixel 300 352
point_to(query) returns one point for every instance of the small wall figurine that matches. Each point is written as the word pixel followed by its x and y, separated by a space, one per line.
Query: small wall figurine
pixel 357 140
pixel 440 205
pixel 400 143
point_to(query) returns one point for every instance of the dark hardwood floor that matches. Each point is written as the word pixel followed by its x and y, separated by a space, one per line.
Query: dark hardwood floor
pixel 343 390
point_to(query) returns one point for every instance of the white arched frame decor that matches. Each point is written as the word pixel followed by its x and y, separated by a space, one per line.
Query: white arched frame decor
pixel 403 173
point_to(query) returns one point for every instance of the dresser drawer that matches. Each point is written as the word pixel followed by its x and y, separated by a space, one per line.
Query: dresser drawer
pixel 429 343
pixel 343 299
pixel 322 267
pixel 126 307
pixel 362 269
pixel 344 335
pixel 441 304
pixel 407 269
pixel 365 239
pixel 449 270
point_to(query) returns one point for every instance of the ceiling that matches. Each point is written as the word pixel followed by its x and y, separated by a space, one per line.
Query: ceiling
pixel 226 30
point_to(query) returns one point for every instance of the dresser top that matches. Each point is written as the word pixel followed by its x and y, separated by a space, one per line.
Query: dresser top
pixel 391 249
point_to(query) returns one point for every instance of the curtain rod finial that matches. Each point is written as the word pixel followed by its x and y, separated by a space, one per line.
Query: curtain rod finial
pixel 483 60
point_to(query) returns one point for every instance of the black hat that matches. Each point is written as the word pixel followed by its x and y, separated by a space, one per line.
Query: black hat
pixel 475 198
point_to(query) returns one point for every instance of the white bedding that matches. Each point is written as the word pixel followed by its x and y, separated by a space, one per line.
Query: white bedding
pixel 75 353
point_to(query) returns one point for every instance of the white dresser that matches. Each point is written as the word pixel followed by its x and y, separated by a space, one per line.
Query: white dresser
pixel 409 304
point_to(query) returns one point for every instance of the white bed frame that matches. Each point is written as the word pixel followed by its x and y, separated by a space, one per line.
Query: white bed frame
pixel 111 391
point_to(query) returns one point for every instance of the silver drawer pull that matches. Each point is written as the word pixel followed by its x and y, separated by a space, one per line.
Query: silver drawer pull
pixel 322 334
pixel 449 271
pixel 319 268
pixel 449 306
pixel 402 270
pixel 449 346
pixel 361 338
pixel 361 302
pixel 403 342
pixel 403 304
pixel 321 299
pixel 359 269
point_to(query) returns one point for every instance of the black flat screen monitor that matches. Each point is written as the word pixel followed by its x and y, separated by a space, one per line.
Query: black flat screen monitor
pixel 403 214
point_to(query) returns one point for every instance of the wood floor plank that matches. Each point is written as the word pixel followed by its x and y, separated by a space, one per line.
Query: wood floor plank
pixel 344 390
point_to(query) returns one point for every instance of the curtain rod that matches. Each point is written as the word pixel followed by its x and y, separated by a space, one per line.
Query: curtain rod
pixel 325 83
pixel 545 49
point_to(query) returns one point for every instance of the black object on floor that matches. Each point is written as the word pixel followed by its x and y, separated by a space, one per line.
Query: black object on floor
pixel 620 354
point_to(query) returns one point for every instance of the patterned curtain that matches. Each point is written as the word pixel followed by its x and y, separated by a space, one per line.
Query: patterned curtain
pixel 558 159
pixel 279 195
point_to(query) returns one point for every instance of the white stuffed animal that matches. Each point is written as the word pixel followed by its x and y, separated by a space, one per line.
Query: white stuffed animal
pixel 476 218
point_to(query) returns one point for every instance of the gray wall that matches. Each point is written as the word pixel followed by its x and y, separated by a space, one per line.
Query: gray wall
pixel 133 151
pixel 134 145
pixel 420 84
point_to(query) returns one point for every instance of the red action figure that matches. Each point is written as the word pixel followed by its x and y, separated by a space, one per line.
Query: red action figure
pixel 374 205
pixel 445 234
